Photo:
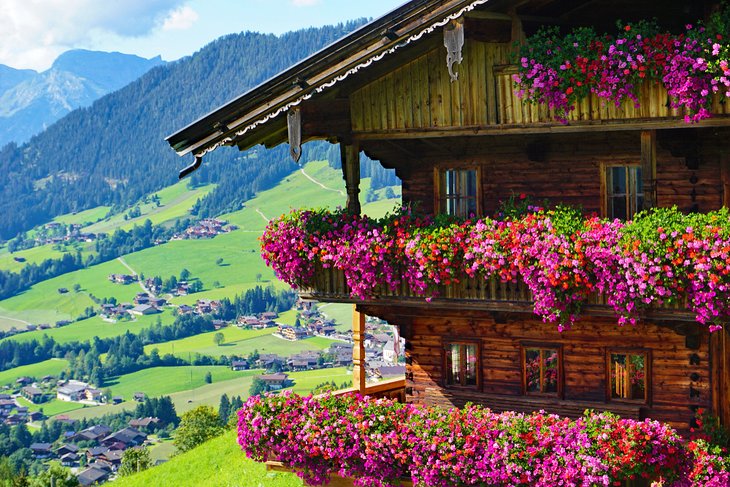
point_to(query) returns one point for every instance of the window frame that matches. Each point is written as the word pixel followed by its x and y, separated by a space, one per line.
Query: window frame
pixel 438 197
pixel 524 347
pixel 646 400
pixel 605 196
pixel 445 349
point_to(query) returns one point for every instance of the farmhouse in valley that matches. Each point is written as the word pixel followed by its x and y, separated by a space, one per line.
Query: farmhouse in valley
pixel 429 91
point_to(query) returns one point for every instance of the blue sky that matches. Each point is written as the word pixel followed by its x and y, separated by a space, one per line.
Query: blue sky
pixel 35 32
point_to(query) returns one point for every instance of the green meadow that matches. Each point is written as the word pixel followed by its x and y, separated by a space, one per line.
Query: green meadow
pixel 52 407
pixel 86 329
pixel 216 463
pixel 238 342
pixel 162 381
pixel 37 255
pixel 43 303
pixel 175 202
pixel 52 366
pixel 86 217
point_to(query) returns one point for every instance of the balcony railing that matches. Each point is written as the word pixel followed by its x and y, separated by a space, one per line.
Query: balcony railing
pixel 473 293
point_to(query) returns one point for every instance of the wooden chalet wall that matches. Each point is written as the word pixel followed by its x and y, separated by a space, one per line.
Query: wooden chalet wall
pixel 570 169
pixel 584 349
pixel 420 93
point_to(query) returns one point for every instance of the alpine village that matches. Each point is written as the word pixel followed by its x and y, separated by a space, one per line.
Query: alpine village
pixel 467 243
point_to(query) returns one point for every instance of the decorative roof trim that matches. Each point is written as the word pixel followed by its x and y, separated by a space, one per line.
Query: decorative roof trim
pixel 230 139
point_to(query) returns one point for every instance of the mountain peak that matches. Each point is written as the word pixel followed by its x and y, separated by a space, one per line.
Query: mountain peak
pixel 110 70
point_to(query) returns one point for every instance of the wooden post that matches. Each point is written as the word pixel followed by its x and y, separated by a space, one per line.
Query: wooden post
pixel 648 167
pixel 725 177
pixel 358 350
pixel 350 157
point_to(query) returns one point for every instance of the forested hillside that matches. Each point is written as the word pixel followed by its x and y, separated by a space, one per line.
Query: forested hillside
pixel 114 152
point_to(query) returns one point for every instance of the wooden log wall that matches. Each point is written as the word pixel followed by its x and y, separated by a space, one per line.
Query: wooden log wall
pixel 680 378
pixel 570 169
pixel 420 93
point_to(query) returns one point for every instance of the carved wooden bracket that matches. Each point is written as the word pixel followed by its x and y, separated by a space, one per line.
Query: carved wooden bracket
pixel 454 43
pixel 294 125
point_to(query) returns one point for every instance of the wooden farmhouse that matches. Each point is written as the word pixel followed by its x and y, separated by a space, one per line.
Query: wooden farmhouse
pixel 428 90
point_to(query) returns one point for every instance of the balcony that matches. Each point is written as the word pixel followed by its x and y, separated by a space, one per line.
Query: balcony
pixel 329 285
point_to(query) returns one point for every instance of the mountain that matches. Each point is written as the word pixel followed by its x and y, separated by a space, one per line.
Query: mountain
pixel 30 101
pixel 10 77
pixel 113 152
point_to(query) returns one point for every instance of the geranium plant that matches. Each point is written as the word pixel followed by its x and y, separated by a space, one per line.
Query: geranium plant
pixel 661 257
pixel 378 442
pixel 559 69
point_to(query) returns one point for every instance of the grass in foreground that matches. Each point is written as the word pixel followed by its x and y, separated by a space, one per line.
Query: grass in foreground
pixel 216 463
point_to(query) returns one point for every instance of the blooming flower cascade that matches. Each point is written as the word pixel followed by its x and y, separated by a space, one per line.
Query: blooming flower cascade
pixel 559 70
pixel 377 442
pixel 662 257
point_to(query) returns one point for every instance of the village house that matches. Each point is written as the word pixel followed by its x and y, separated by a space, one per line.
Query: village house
pixel 92 433
pixel 72 390
pixel 142 298
pixel 428 90
pixel 292 333
pixel 144 310
pixel 143 422
pixel 276 382
pixel 239 365
pixel 41 450
pixel 32 393
pixel 93 476
pixel 122 278
pixel 126 437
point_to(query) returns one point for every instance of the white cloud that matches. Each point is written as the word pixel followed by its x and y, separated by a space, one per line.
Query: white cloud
pixel 305 3
pixel 181 18
pixel 34 32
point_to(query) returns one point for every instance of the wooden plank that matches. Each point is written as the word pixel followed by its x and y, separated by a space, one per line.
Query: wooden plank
pixel 648 167
pixel 358 350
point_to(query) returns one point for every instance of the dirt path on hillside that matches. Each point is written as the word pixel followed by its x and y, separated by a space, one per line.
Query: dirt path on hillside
pixel 134 273
pixel 320 184
pixel 262 215
pixel 13 319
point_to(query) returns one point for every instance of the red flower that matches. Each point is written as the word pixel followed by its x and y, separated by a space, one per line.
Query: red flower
pixel 523 195
pixel 627 28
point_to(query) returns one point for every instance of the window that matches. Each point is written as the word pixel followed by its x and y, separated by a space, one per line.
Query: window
pixel 624 192
pixel 629 372
pixel 458 191
pixel 541 366
pixel 461 364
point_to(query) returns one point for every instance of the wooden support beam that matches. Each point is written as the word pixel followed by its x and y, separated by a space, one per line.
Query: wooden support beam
pixel 350 157
pixel 725 177
pixel 648 167
pixel 358 350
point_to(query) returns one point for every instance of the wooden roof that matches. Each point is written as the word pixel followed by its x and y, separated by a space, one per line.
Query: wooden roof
pixel 324 79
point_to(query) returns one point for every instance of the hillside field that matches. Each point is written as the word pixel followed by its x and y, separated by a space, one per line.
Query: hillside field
pixel 238 342
pixel 52 367
pixel 216 463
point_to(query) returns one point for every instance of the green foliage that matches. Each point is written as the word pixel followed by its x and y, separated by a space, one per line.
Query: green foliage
pixel 57 476
pixel 258 387
pixel 135 460
pixel 219 338
pixel 197 426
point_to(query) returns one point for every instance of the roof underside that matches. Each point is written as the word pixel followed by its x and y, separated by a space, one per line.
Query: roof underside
pixel 332 73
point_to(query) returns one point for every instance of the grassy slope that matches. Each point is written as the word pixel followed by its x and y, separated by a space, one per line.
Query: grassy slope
pixel 42 303
pixel 38 254
pixel 217 463
pixel 84 330
pixel 175 202
pixel 161 381
pixel 92 215
pixel 210 394
pixel 52 366
pixel 237 342
pixel 52 407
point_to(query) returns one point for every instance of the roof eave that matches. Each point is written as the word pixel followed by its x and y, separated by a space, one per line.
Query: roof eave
pixel 267 99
